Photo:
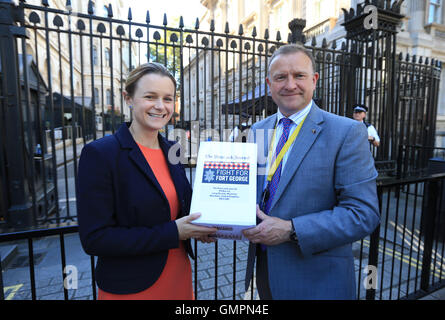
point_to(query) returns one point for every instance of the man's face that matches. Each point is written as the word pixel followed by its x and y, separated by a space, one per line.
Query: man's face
pixel 359 116
pixel 292 82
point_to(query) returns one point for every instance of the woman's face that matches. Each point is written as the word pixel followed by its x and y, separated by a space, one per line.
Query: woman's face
pixel 153 101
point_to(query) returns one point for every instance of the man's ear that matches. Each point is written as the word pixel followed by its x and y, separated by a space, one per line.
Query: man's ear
pixel 316 77
pixel 268 81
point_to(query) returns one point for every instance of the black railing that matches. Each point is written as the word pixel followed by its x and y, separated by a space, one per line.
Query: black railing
pixel 55 63
pixel 419 160
pixel 61 68
pixel 411 241
pixel 402 259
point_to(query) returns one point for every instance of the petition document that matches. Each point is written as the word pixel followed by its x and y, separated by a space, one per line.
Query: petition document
pixel 224 190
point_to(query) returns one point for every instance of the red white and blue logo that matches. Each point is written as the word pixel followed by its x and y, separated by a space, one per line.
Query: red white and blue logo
pixel 226 172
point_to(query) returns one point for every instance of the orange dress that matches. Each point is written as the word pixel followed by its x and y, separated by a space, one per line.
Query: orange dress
pixel 175 282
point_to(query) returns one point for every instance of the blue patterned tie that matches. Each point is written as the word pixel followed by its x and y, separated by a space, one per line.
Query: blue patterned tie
pixel 273 186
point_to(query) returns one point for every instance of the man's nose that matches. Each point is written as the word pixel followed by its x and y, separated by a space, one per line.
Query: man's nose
pixel 291 83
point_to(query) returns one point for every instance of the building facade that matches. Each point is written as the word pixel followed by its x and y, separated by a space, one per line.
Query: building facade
pixel 422 32
pixel 92 69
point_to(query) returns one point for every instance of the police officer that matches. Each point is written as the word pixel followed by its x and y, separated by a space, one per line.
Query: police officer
pixel 359 115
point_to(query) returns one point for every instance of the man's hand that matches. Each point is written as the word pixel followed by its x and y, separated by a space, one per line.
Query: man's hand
pixel 373 141
pixel 271 231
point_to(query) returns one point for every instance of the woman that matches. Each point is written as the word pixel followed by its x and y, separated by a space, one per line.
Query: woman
pixel 133 204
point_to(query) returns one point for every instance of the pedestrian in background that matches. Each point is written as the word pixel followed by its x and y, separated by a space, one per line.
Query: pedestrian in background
pixel 133 204
pixel 360 115
pixel 238 133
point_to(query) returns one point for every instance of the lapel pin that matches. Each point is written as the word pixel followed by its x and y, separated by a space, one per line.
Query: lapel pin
pixel 313 131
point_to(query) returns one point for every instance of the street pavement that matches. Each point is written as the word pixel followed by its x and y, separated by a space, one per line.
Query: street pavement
pixel 49 276
pixel 394 259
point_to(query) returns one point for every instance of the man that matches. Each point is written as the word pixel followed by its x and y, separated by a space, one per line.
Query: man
pixel 235 134
pixel 318 200
pixel 360 115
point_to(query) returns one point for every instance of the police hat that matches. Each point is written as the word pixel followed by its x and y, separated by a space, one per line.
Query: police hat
pixel 360 108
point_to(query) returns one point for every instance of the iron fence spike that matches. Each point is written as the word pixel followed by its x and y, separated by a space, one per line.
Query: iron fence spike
pixel 130 15
pixel 110 11
pixel 226 29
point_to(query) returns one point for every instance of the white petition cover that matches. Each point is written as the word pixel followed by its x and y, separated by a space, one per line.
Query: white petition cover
pixel 224 190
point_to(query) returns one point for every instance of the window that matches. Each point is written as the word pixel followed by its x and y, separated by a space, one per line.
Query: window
pixel 109 97
pixel 321 11
pixel 96 96
pixel 107 57
pixel 317 11
pixel 434 11
pixel 249 6
pixel 94 55
pixel 279 20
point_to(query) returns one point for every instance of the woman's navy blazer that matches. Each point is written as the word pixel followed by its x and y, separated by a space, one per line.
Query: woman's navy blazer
pixel 123 214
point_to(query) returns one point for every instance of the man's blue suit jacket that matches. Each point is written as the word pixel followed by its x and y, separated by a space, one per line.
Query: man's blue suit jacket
pixel 123 214
pixel 328 189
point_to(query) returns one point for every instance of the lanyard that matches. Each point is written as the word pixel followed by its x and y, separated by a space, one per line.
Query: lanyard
pixel 283 151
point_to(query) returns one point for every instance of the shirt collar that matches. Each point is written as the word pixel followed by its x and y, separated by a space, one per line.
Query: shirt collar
pixel 297 116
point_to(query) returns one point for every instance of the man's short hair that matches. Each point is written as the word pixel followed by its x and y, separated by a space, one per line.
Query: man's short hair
pixel 290 49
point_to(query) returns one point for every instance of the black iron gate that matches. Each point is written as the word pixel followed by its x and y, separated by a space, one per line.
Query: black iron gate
pixel 62 76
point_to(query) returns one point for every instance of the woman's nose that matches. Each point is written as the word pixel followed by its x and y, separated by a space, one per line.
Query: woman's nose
pixel 159 104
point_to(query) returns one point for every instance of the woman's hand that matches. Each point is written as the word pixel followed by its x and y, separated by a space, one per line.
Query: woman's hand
pixel 207 239
pixel 187 230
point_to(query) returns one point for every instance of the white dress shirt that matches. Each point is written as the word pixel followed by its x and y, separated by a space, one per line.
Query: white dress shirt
pixel 296 119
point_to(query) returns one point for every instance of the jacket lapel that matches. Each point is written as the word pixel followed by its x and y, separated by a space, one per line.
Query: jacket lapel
pixel 263 151
pixel 308 134
pixel 175 169
pixel 135 154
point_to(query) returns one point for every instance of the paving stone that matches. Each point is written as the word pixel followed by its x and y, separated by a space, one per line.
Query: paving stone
pixel 53 296
pixel 206 294
pixel 49 277
pixel 207 284
pixel 81 292
pixel 20 295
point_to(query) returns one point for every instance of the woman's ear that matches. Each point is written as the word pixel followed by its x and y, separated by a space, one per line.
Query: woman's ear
pixel 126 96
pixel 127 99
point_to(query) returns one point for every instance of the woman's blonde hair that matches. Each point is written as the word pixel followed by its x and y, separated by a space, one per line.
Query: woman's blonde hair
pixel 142 70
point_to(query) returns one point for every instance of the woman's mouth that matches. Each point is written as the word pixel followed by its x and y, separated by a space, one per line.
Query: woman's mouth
pixel 156 115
